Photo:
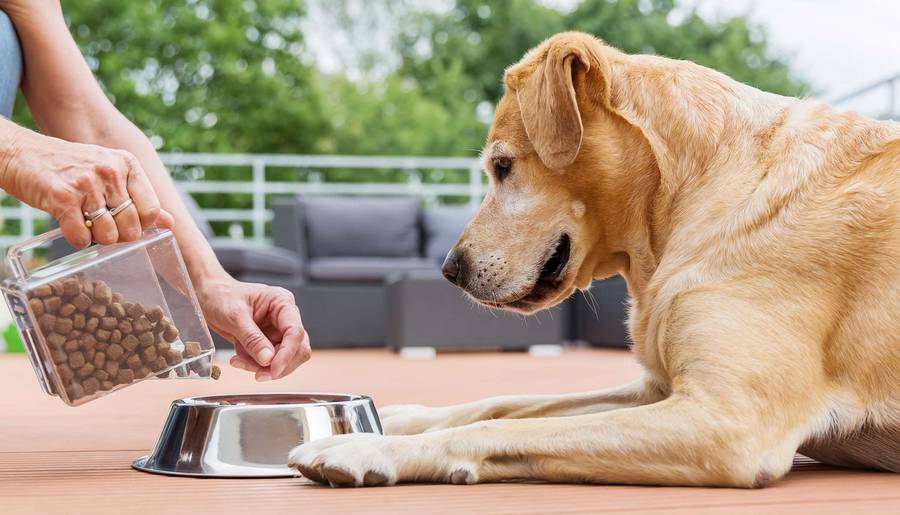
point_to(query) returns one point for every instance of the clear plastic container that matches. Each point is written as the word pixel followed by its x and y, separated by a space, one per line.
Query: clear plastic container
pixel 108 316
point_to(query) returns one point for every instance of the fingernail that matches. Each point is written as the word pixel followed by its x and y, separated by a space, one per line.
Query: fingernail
pixel 265 356
pixel 263 376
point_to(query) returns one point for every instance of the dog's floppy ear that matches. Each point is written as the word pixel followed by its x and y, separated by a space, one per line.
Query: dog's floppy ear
pixel 547 101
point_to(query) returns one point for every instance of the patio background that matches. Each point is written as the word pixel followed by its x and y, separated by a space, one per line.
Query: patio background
pixel 252 100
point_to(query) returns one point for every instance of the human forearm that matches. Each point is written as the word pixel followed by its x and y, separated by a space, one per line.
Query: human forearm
pixel 60 90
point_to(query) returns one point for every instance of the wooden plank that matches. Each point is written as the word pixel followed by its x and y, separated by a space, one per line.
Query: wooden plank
pixel 55 459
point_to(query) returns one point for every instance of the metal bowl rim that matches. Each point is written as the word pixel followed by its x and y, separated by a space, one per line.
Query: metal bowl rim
pixel 214 401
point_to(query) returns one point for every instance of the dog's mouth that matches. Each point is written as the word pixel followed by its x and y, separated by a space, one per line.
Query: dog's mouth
pixel 553 268
pixel 550 277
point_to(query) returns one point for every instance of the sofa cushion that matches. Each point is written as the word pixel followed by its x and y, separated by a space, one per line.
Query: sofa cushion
pixel 363 268
pixel 238 260
pixel 443 225
pixel 347 227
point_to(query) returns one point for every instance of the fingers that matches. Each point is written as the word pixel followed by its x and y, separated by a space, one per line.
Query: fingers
pixel 165 220
pixel 141 191
pixel 293 351
pixel 71 221
pixel 250 338
pixel 103 228
pixel 242 361
pixel 294 348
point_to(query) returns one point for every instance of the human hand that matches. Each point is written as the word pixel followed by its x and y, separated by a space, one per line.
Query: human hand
pixel 69 179
pixel 263 322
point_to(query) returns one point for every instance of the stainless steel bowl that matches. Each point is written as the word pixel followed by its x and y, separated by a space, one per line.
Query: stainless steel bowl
pixel 251 435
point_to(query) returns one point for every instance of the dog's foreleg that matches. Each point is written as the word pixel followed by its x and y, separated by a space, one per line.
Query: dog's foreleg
pixel 414 419
pixel 677 441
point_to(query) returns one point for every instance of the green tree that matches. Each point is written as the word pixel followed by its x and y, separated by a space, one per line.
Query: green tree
pixel 203 75
pixel 482 37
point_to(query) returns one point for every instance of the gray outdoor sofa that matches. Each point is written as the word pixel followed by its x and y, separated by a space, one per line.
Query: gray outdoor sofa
pixel 370 276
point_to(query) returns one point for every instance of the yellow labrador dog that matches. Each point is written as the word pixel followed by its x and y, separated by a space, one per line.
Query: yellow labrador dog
pixel 760 239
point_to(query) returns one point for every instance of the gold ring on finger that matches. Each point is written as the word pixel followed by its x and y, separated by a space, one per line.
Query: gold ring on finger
pixel 93 215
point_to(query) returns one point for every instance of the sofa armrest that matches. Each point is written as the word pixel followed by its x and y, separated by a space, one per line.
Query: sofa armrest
pixel 240 260
pixel 289 227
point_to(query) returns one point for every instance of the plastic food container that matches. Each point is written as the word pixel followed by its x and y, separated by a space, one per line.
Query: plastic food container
pixel 108 316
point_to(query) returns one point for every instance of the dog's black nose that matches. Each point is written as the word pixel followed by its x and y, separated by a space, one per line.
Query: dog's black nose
pixel 452 268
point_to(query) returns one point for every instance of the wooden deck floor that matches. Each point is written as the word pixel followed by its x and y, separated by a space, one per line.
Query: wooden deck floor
pixel 56 459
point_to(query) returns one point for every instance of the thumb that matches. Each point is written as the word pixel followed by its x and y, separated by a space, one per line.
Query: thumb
pixel 253 341
pixel 165 220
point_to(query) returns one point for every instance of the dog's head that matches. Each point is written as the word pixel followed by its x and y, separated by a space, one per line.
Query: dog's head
pixel 557 159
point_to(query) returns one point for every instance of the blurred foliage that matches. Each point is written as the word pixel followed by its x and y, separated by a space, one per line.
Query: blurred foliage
pixel 223 75
pixel 236 76
pixel 482 38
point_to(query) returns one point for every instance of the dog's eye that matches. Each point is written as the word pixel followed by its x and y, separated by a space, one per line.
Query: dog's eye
pixel 502 167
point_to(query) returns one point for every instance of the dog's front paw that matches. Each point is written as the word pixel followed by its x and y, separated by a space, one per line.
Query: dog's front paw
pixel 373 460
pixel 412 419
pixel 345 460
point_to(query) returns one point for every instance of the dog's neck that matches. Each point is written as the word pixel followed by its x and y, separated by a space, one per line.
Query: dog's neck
pixel 689 116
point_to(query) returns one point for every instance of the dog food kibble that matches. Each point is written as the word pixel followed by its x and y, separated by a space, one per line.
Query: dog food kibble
pixel 135 310
pixel 71 287
pixel 116 310
pixel 130 342
pixel 82 302
pixel 216 372
pixel 155 314
pixel 90 385
pixel 37 307
pixel 170 334
pixel 191 349
pixel 96 340
pixel 173 357
pixel 97 310
pixel 126 375
pixel 146 339
pixel 133 361
pixel 125 327
pixel 102 293
pixel 85 371
pixel 51 304
pixel 59 356
pixel 67 310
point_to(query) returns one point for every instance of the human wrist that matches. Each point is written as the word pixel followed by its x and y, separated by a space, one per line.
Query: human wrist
pixel 12 140
pixel 204 268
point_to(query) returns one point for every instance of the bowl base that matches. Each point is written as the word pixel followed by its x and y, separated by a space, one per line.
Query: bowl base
pixel 248 473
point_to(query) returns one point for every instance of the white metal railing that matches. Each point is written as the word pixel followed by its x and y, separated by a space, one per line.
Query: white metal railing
pixel 890 86
pixel 260 188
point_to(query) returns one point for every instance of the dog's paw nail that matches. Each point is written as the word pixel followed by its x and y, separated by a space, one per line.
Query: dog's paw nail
pixel 461 477
pixel 311 473
pixel 338 477
pixel 373 478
